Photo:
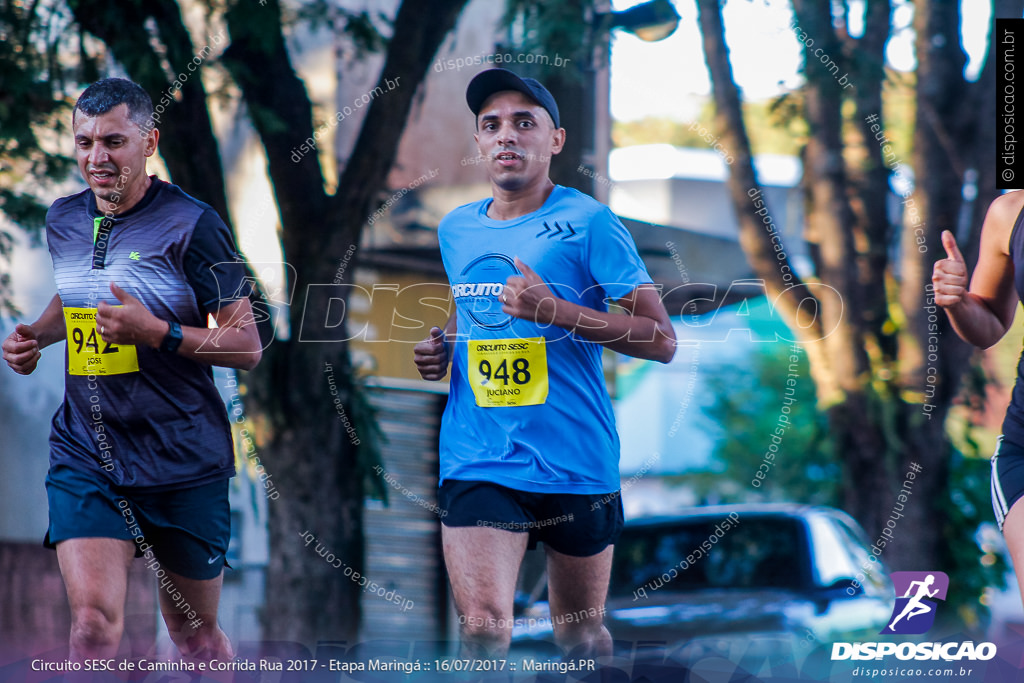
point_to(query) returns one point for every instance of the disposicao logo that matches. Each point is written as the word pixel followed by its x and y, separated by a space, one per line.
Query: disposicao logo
pixel 916 592
pixel 914 614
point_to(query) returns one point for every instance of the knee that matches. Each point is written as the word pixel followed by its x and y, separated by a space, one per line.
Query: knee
pixel 93 631
pixel 200 639
pixel 486 625
pixel 578 633
pixel 585 630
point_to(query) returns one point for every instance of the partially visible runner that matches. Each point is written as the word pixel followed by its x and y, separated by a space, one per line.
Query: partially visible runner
pixel 982 315
pixel 140 449
pixel 529 450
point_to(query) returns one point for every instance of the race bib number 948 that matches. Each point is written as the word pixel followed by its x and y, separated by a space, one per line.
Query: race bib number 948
pixel 508 372
pixel 88 354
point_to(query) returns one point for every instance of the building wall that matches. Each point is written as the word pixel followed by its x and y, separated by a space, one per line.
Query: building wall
pixel 403 536
pixel 389 312
pixel 26 406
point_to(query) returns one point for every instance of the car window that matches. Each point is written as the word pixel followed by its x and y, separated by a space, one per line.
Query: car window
pixel 832 558
pixel 758 552
pixel 874 579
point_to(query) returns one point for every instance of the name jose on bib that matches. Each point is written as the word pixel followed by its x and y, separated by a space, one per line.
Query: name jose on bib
pixel 88 353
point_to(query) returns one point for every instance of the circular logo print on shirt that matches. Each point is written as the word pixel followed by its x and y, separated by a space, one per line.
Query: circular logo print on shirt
pixel 483 281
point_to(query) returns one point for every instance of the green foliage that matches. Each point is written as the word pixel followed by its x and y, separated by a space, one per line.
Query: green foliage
pixel 371 437
pixel 772 129
pixel 899 105
pixel 748 404
pixel 969 555
pixel 30 102
pixel 655 130
pixel 776 126
pixel 972 567
pixel 360 27
pixel 552 28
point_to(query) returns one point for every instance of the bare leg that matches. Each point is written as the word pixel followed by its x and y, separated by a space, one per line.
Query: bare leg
pixel 483 565
pixel 577 588
pixel 1013 531
pixel 95 572
pixel 198 638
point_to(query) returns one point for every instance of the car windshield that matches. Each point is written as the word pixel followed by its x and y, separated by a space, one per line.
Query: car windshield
pixel 758 552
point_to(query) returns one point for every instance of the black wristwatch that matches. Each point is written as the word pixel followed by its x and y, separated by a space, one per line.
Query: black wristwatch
pixel 173 338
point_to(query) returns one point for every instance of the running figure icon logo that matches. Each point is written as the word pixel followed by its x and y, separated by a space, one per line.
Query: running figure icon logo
pixel 914 612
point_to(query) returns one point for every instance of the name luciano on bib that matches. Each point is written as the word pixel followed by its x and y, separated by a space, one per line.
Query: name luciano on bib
pixel 508 373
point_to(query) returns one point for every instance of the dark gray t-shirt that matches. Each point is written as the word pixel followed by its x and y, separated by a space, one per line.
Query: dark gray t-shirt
pixel 164 425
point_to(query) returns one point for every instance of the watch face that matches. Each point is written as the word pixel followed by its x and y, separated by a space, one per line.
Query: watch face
pixel 173 339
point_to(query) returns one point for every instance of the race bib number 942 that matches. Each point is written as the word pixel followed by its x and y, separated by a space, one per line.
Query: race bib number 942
pixel 508 372
pixel 88 354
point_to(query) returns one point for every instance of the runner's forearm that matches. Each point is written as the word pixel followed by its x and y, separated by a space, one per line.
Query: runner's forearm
pixel 975 322
pixel 634 335
pixel 50 327
pixel 229 347
pixel 235 343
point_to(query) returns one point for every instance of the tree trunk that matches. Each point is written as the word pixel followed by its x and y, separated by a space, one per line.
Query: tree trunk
pixel 933 206
pixel 876 417
pixel 932 359
pixel 857 411
pixel 319 466
pixel 869 181
pixel 768 263
pixel 837 361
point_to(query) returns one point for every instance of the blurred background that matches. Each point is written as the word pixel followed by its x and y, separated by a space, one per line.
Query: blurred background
pixel 785 168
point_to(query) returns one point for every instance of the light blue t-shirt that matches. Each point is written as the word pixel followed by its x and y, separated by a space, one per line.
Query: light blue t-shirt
pixel 567 443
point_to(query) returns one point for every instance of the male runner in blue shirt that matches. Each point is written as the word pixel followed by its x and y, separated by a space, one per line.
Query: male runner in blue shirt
pixel 528 442
pixel 140 449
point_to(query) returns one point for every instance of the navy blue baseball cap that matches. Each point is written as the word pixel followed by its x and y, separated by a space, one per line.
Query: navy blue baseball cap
pixel 486 83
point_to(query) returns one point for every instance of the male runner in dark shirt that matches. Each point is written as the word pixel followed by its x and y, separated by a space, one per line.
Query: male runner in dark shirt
pixel 140 449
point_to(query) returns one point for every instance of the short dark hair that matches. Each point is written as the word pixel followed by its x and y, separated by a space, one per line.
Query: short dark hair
pixel 102 96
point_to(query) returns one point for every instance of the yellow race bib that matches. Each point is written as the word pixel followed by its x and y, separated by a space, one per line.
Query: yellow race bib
pixel 508 372
pixel 88 354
